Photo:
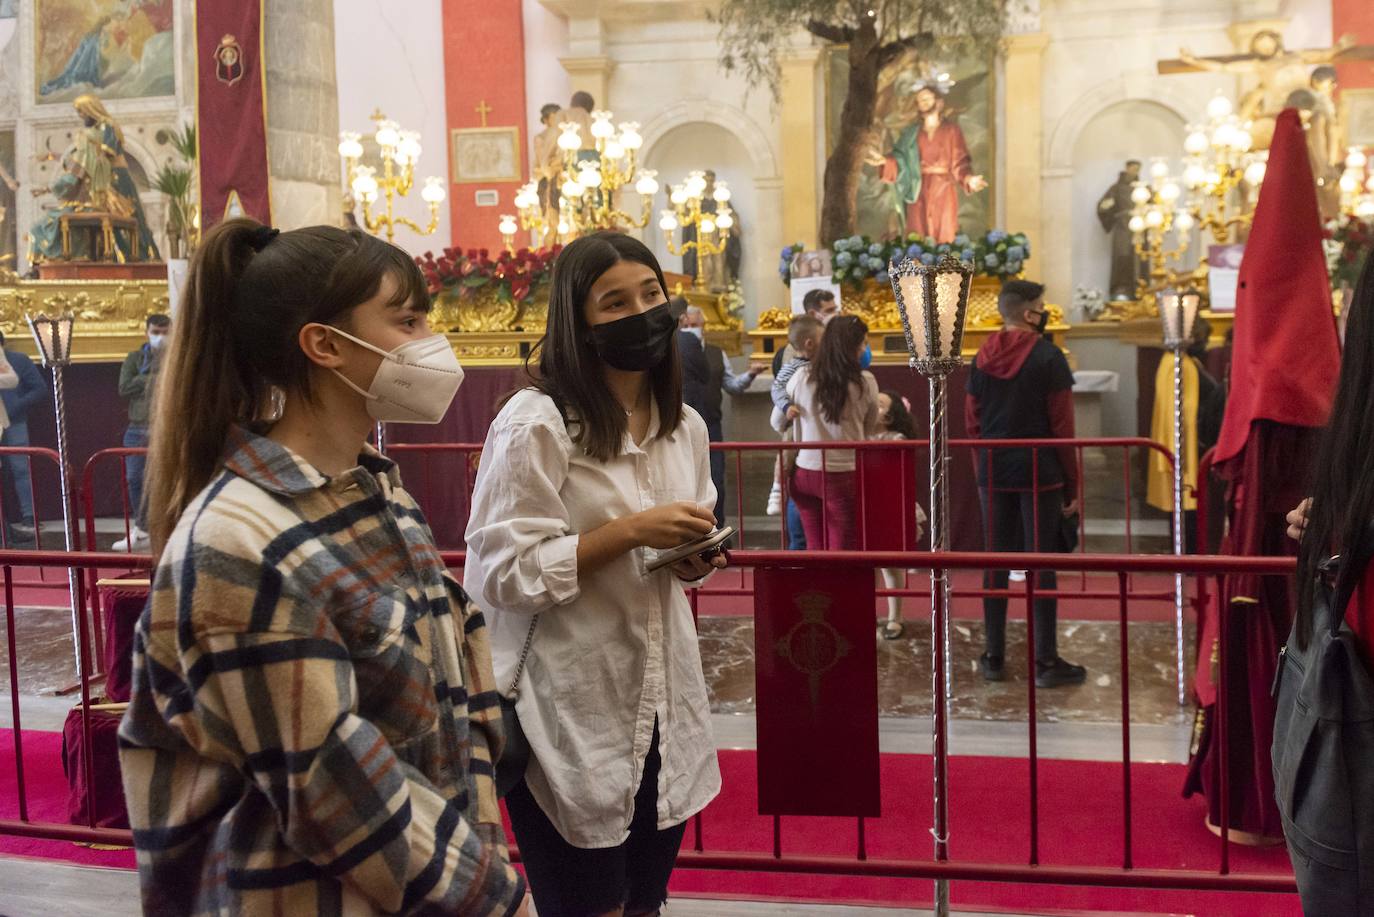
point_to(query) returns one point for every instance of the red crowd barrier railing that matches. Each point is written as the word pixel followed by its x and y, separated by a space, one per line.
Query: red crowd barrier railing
pixel 698 857
pixel 434 485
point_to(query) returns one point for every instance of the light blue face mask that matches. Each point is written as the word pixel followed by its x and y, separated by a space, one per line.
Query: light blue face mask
pixel 866 359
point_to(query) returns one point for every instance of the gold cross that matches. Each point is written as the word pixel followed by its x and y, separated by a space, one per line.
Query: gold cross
pixel 483 109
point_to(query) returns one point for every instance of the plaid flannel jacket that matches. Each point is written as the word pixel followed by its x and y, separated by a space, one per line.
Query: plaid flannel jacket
pixel 314 718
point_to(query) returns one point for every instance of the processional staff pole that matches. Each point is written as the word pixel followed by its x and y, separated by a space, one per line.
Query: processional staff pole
pixel 381 436
pixel 1178 311
pixel 53 336
pixel 932 301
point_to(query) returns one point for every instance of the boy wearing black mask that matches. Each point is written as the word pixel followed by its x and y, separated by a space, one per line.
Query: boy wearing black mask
pixel 1020 387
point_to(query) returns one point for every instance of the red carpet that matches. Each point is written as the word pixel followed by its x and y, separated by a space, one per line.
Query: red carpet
pixel 1160 607
pixel 47 798
pixel 1080 807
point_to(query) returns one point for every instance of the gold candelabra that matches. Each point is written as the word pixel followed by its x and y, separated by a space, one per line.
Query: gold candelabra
pixel 1357 185
pixel 1158 213
pixel 1222 172
pixel 703 205
pixel 588 182
pixel 1221 177
pixel 400 150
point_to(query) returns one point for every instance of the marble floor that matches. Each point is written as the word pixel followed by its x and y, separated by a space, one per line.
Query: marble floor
pixel 727 653
pixel 30 888
pixel 46 665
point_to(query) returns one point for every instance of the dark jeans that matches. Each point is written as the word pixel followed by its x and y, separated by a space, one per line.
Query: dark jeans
pixel 136 437
pixel 796 534
pixel 716 434
pixel 18 468
pixel 568 881
pixel 1013 517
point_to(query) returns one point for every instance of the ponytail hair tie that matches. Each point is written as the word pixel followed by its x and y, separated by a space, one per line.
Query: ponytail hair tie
pixel 261 237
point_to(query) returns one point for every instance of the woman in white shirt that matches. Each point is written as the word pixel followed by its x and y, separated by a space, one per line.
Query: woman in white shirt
pixel 836 401
pixel 584 475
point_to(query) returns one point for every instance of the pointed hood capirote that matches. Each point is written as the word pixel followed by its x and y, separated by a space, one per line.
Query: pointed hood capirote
pixel 1286 355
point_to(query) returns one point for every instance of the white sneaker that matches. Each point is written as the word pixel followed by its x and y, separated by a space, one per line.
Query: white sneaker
pixel 1017 576
pixel 775 501
pixel 137 541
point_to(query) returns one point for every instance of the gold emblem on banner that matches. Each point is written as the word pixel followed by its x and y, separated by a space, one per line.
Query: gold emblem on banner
pixel 229 61
pixel 813 646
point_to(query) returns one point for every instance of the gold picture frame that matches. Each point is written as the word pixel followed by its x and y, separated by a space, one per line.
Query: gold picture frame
pixel 1359 116
pixel 485 155
pixel 976 216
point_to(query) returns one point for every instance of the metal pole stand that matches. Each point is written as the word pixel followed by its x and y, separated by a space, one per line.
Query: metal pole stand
pixel 939 628
pixel 381 436
pixel 68 511
pixel 1179 460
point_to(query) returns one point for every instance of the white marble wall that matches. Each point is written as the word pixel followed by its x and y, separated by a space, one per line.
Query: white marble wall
pixel 390 56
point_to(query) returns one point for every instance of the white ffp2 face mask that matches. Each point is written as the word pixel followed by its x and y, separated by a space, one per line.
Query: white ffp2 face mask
pixel 415 383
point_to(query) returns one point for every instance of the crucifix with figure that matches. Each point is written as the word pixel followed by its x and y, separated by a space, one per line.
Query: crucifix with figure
pixel 1279 70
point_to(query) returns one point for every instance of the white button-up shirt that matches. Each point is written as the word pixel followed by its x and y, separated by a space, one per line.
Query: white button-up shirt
pixel 613 650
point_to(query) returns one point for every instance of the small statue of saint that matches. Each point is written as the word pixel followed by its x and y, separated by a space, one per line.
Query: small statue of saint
pixel 95 179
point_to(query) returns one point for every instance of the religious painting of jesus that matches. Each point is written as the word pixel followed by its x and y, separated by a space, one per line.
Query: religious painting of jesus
pixel 929 155
pixel 116 49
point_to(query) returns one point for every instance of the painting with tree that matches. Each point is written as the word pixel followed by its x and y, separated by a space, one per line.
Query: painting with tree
pixel 927 169
pixel 877 37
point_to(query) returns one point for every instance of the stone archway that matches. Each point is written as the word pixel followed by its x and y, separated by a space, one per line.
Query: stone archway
pixel 755 178
pixel 744 128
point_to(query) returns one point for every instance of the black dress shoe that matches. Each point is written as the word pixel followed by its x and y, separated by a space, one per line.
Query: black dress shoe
pixel 991 667
pixel 1059 673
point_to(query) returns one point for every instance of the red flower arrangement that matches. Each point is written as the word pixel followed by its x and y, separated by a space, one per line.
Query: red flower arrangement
pixel 515 275
pixel 1355 240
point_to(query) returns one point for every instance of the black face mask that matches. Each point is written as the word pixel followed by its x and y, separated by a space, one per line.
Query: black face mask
pixel 636 343
pixel 1043 323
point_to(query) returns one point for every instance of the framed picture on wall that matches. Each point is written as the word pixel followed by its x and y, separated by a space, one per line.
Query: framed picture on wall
pixel 486 154
pixel 1359 107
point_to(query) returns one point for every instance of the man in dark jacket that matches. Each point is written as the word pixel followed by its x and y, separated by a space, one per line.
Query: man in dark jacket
pixel 32 390
pixel 137 383
pixel 1021 387
pixel 706 376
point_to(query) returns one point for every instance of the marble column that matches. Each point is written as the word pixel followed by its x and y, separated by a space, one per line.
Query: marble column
pixel 302 112
pixel 801 141
pixel 1020 183
pixel 591 74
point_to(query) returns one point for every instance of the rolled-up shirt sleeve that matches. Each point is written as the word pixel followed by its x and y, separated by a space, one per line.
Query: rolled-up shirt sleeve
pixel 522 552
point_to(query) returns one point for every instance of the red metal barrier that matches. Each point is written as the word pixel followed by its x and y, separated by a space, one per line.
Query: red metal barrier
pixel 428 470
pixel 23 826
pixel 1219 879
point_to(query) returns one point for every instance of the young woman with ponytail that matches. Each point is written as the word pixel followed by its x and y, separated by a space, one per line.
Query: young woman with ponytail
pixel 313 720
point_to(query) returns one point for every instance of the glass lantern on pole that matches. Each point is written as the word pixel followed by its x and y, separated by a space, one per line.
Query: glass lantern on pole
pixel 53 337
pixel 932 302
pixel 1178 314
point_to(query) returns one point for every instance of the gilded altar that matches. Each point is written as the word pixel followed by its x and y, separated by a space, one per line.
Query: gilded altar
pixel 874 303
pixel 110 314
pixel 485 330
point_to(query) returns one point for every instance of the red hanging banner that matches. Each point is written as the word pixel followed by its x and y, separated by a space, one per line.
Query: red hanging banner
pixel 816 684
pixel 231 111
